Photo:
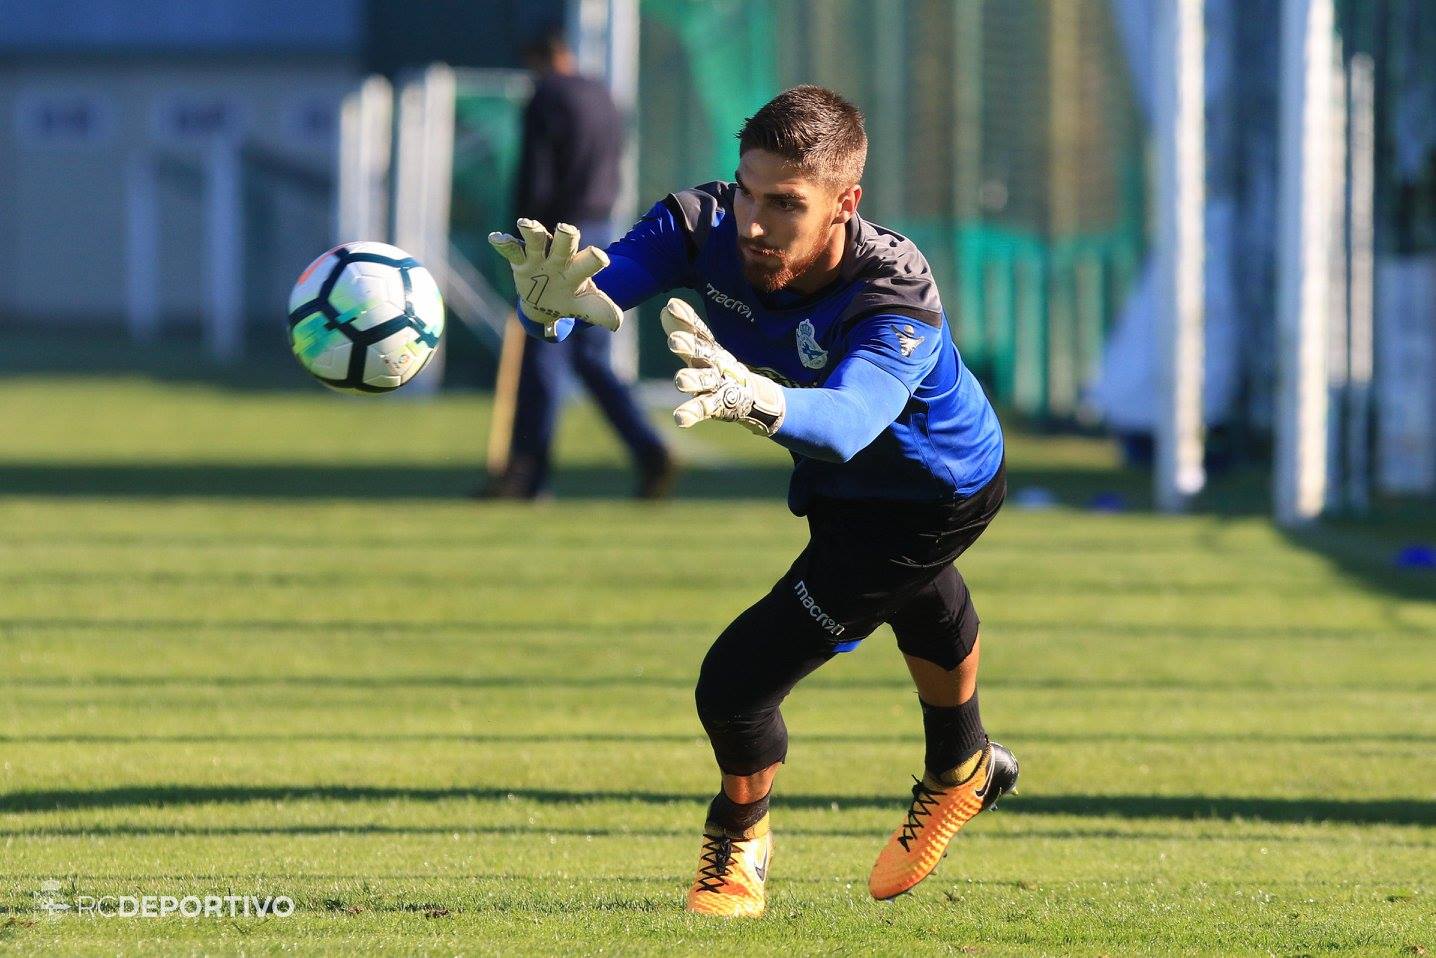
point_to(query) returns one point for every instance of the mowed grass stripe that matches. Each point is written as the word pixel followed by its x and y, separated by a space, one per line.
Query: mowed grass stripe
pixel 709 610
pixel 1380 740
pixel 320 575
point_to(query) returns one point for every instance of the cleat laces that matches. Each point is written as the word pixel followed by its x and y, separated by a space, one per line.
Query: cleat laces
pixel 924 800
pixel 717 856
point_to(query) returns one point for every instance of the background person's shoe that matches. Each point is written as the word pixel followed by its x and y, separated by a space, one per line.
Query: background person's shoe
pixel 517 481
pixel 657 475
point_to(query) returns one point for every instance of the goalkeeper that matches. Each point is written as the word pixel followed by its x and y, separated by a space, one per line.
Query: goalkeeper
pixel 825 333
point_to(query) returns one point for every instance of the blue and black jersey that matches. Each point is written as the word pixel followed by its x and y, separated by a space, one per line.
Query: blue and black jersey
pixel 880 405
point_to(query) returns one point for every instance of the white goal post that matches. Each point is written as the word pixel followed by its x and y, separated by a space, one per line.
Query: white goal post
pixel 1179 67
pixel 604 35
pixel 1307 206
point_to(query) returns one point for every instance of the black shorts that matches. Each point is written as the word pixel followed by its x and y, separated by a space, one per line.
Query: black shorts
pixel 866 563
pixel 869 562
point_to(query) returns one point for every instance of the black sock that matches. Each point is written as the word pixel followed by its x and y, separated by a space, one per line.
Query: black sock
pixel 954 734
pixel 733 817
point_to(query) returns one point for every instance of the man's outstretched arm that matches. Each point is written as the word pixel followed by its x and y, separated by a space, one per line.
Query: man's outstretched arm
pixel 842 418
pixel 887 358
pixel 863 396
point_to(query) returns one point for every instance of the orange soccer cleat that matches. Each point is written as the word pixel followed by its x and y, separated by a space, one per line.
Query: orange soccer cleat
pixel 731 873
pixel 938 810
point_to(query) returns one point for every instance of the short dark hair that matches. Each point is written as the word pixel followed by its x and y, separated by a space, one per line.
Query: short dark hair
pixel 813 128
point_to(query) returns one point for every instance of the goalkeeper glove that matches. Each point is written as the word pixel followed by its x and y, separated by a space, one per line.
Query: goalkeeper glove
pixel 721 387
pixel 553 281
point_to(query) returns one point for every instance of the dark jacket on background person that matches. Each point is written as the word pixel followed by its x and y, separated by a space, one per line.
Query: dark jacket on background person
pixel 572 148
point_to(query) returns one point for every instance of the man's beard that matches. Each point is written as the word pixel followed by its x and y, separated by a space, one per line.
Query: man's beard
pixel 769 274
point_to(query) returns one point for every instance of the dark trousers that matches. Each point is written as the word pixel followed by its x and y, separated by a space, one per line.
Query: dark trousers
pixel 587 354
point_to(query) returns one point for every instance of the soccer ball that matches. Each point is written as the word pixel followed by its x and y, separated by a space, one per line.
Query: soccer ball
pixel 365 318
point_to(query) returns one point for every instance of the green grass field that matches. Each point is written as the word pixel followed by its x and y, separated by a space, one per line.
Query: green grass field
pixel 256 642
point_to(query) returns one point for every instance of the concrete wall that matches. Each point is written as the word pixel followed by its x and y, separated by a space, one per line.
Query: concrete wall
pixel 74 125
pixel 176 25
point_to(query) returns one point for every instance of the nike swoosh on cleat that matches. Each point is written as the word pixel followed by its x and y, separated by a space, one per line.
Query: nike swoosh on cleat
pixel 762 870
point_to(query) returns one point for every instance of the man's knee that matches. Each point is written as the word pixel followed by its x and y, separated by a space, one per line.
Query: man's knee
pixel 722 703
pixel 746 743
pixel 945 648
pixel 747 736
pixel 940 625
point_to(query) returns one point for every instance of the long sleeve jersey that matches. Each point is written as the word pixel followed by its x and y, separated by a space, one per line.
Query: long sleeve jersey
pixel 879 403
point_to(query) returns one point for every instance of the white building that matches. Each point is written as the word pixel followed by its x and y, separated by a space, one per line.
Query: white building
pixel 95 93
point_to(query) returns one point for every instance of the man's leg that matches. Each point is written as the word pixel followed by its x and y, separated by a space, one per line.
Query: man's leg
pixel 857 568
pixel 750 788
pixel 745 677
pixel 952 725
pixel 845 583
pixel 937 632
pixel 592 362
pixel 945 687
pixel 539 394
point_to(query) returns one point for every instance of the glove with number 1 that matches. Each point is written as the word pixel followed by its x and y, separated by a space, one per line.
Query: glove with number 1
pixel 721 386
pixel 553 281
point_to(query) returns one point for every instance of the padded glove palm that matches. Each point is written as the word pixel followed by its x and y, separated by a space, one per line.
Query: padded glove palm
pixel 721 386
pixel 553 281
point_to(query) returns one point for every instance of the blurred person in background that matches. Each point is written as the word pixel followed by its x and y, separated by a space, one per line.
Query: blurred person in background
pixel 569 173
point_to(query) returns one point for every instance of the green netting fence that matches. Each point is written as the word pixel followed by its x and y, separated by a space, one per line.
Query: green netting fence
pixel 1004 141
pixel 488 130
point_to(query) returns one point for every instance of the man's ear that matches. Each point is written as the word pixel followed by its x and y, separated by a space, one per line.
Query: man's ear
pixel 848 201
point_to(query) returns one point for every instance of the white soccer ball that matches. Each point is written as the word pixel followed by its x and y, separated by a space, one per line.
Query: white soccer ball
pixel 365 318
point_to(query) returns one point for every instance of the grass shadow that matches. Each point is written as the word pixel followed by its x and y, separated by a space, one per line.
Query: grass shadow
pixel 1396 811
pixel 394 481
pixel 1084 833
pixel 370 481
pixel 1368 550
pixel 153 685
pixel 178 356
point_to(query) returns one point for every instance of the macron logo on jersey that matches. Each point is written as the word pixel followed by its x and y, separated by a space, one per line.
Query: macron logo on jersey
pixel 728 302
pixel 825 622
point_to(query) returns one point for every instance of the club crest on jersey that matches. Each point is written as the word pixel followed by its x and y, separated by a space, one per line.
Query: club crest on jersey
pixel 908 340
pixel 812 355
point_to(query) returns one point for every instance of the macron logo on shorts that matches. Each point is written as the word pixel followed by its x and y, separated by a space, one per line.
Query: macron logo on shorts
pixel 825 622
